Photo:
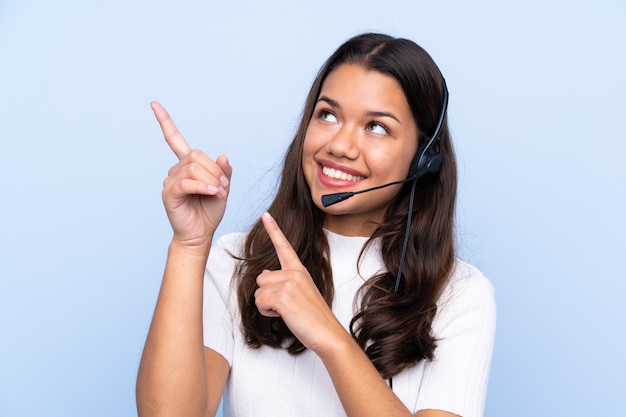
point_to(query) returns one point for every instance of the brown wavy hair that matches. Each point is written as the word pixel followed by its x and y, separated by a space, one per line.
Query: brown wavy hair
pixel 394 328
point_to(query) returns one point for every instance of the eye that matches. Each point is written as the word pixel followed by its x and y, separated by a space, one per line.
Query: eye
pixel 327 116
pixel 378 128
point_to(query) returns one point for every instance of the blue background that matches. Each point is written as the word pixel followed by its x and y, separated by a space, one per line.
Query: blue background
pixel 538 103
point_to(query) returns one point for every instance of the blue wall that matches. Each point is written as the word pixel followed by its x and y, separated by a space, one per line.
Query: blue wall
pixel 538 100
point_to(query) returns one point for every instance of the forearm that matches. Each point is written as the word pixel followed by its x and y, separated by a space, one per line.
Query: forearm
pixel 172 378
pixel 359 385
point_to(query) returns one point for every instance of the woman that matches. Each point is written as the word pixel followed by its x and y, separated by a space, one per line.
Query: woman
pixel 336 310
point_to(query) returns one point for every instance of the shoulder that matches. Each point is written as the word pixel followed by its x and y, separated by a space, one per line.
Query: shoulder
pixel 468 293
pixel 226 247
pixel 466 277
pixel 231 242
pixel 222 260
pixel 464 326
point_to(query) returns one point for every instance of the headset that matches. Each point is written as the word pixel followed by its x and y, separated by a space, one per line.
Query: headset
pixel 427 161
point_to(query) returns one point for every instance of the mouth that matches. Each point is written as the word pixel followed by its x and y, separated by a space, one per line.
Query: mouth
pixel 340 175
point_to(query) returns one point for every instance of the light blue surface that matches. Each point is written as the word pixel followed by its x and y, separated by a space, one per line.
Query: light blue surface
pixel 538 103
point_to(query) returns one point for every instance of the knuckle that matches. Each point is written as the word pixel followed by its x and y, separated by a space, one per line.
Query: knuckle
pixel 192 169
pixel 195 154
pixel 171 171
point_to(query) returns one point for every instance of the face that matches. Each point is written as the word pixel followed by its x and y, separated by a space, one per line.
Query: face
pixel 362 134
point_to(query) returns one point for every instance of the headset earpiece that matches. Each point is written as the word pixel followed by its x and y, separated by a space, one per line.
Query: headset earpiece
pixel 427 159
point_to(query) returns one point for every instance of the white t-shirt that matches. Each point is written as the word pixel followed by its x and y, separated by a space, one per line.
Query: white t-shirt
pixel 269 382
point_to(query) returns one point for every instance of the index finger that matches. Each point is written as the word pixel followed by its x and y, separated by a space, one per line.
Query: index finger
pixel 287 257
pixel 173 137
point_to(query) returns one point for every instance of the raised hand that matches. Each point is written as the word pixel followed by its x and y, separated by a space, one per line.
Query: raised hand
pixel 291 294
pixel 195 190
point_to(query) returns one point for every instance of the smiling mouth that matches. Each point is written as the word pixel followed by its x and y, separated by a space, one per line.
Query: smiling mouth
pixel 340 175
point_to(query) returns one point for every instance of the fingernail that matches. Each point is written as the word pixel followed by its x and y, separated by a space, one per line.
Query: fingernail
pixel 212 189
pixel 221 192
pixel 267 216
pixel 224 181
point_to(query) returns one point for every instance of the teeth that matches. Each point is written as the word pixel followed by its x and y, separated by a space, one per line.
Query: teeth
pixel 340 175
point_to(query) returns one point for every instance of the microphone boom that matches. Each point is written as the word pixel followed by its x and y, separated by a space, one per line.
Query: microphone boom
pixel 330 199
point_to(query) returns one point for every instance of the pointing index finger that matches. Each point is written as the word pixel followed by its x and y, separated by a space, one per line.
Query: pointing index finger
pixel 287 256
pixel 173 137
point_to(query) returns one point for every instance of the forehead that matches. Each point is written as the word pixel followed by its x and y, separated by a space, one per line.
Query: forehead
pixel 353 86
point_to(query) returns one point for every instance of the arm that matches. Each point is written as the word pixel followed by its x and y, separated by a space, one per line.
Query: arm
pixel 291 294
pixel 361 389
pixel 456 380
pixel 177 374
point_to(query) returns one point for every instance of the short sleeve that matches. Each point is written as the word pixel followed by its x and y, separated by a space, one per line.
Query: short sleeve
pixel 218 302
pixel 456 379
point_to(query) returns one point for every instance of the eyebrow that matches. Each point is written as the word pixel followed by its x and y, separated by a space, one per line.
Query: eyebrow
pixel 334 103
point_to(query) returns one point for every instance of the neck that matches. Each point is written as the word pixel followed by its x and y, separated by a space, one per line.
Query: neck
pixel 350 225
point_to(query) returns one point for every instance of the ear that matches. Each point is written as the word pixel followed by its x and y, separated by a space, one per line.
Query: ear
pixel 426 160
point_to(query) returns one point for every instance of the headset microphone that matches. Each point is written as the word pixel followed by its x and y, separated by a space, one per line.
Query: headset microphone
pixel 330 199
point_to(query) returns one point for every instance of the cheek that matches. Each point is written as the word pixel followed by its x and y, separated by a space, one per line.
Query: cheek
pixel 308 158
pixel 306 147
pixel 312 140
pixel 406 156
pixel 394 162
pixel 307 155
pixel 311 146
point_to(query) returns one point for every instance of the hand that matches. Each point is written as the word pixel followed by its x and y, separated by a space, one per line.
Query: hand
pixel 290 293
pixel 196 189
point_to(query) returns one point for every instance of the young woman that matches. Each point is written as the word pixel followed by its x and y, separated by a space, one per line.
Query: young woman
pixel 327 310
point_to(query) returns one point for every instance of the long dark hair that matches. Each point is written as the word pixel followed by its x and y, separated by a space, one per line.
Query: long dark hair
pixel 393 327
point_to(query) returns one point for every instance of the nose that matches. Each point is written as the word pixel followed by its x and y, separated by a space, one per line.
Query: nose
pixel 344 143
